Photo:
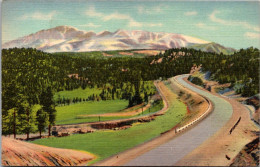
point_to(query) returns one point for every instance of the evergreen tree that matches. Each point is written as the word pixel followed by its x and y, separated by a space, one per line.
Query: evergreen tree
pixel 48 105
pixel 26 119
pixel 9 122
pixel 42 120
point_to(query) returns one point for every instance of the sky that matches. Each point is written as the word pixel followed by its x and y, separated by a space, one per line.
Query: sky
pixel 232 24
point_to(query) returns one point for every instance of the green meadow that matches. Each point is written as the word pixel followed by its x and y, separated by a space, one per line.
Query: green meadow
pixel 69 114
pixel 72 114
pixel 80 93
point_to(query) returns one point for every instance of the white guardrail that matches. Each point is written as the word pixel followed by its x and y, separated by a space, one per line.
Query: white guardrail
pixel 197 119
pixel 194 121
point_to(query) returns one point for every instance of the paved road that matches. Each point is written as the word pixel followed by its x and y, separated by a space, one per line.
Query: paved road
pixel 172 151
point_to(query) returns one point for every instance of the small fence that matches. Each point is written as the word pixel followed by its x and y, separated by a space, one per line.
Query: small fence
pixel 196 120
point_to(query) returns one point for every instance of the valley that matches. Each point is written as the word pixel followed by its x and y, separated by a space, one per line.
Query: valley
pixel 124 106
pixel 136 132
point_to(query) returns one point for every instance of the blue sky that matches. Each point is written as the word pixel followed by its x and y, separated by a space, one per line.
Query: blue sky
pixel 232 24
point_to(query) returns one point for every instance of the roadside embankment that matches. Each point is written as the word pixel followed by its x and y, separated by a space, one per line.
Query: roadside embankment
pixel 20 153
pixel 197 105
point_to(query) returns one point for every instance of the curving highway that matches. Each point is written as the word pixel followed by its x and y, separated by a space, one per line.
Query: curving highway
pixel 169 153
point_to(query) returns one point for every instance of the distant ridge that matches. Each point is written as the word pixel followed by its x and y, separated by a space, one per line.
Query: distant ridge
pixel 71 39
pixel 213 47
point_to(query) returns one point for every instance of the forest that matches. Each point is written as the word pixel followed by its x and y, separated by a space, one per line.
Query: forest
pixel 31 77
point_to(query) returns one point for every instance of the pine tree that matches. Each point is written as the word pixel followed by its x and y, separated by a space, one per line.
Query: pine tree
pixel 48 105
pixel 9 121
pixel 42 120
pixel 26 118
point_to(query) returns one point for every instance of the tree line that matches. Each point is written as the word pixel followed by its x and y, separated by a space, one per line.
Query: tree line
pixel 126 91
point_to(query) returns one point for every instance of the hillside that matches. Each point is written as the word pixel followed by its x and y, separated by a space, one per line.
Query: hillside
pixel 213 47
pixel 70 39
pixel 248 156
pixel 237 69
pixel 19 153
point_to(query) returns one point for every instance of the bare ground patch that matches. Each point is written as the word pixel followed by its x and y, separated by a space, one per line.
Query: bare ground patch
pixel 126 53
pixel 148 52
pixel 249 155
pixel 19 153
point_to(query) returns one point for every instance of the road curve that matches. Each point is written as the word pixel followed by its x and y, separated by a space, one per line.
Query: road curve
pixel 174 150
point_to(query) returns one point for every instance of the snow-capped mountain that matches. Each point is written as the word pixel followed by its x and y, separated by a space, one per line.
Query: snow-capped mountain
pixel 70 39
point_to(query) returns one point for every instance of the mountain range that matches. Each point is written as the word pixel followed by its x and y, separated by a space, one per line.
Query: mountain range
pixel 70 39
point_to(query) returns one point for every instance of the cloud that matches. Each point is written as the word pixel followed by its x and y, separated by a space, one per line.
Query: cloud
pixel 133 23
pixel 92 12
pixel 252 35
pixel 153 10
pixel 39 16
pixel 118 16
pixel 154 24
pixel 244 24
pixel 191 13
pixel 90 25
pixel 205 26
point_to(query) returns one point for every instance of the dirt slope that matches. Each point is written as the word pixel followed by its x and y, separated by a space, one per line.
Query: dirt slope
pixel 19 153
pixel 249 156
pixel 196 104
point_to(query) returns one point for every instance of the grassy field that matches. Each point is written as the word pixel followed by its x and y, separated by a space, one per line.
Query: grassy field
pixel 69 114
pixel 94 54
pixel 99 54
pixel 107 143
pixel 156 107
pixel 80 93
pixel 117 53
